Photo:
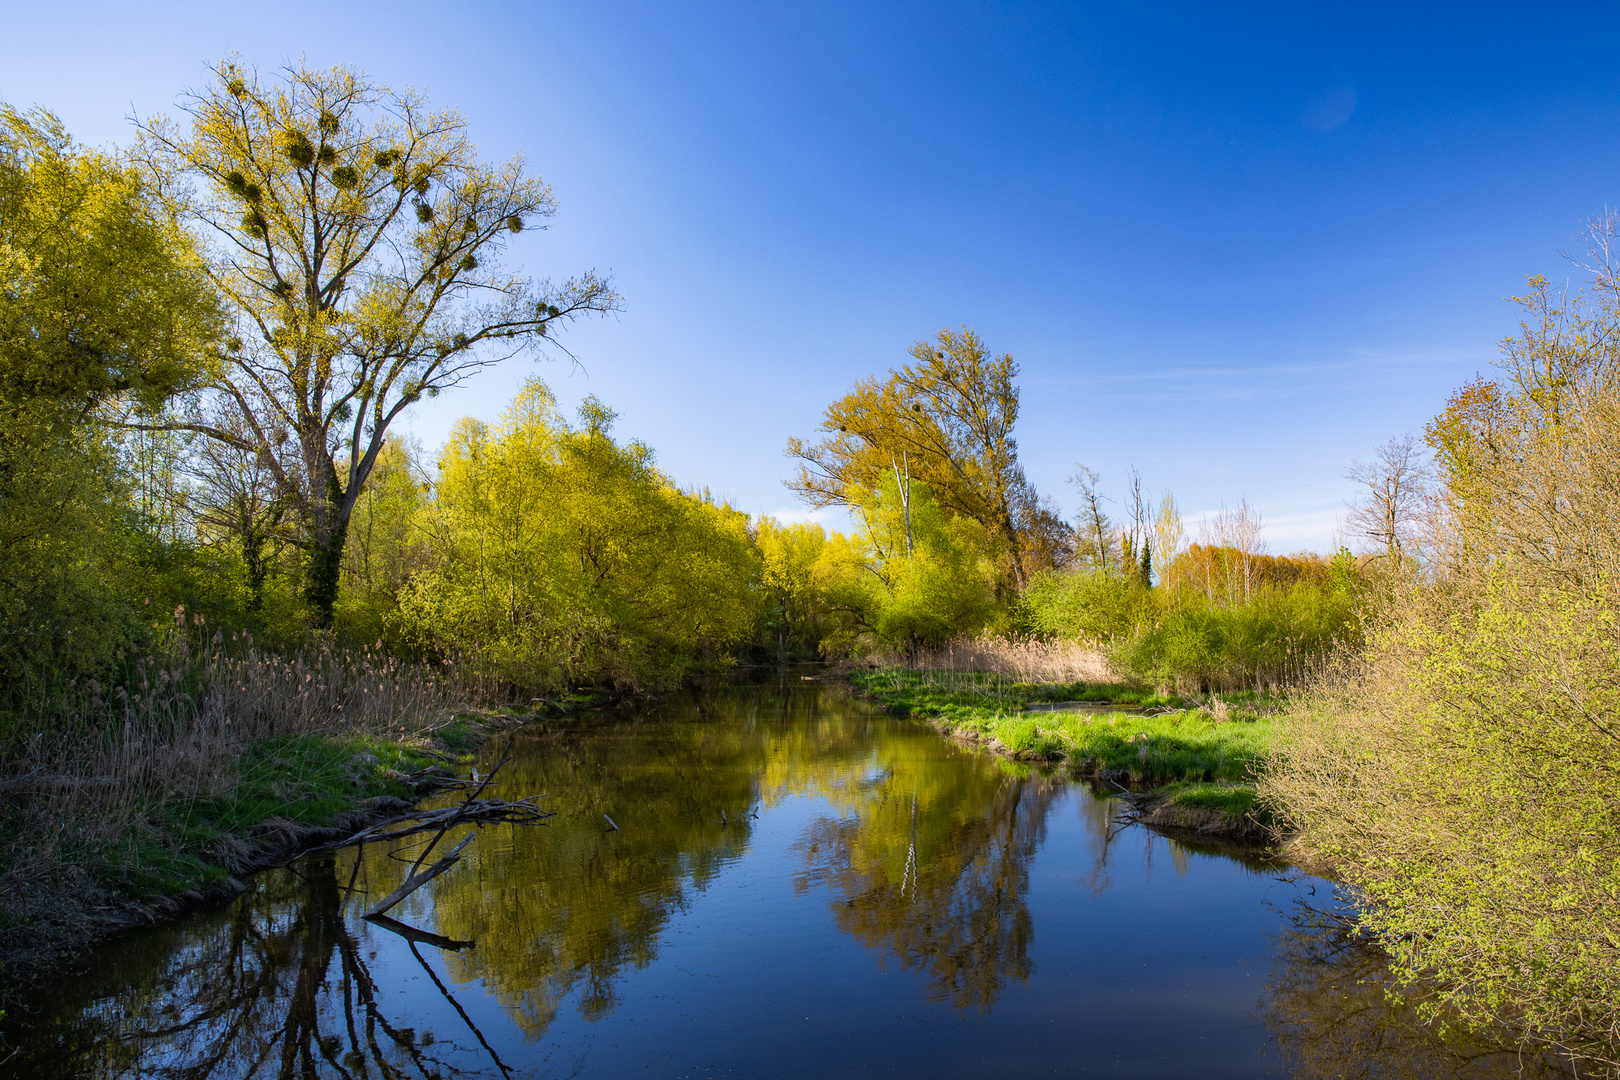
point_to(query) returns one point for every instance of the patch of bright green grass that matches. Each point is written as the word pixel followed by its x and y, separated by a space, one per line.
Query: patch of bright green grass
pixel 1187 745
pixel 1239 801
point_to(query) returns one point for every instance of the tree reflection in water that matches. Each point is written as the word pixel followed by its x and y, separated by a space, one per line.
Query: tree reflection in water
pixel 279 988
pixel 921 851
pixel 949 901
pixel 1333 1009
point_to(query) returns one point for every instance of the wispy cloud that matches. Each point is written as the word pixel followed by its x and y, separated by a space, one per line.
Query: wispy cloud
pixel 831 517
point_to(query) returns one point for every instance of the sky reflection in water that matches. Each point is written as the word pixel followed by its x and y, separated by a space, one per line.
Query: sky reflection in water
pixel 880 900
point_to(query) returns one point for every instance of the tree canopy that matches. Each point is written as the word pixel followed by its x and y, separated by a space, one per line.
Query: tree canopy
pixel 102 310
pixel 946 420
pixel 102 298
pixel 356 236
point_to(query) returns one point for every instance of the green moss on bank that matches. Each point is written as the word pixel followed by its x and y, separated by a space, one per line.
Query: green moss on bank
pixel 1201 754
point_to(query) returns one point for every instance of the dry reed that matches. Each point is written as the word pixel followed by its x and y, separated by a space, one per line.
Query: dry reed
pixel 1021 659
pixel 172 730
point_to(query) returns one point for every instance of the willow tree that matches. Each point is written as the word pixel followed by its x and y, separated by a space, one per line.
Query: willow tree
pixel 945 420
pixel 356 236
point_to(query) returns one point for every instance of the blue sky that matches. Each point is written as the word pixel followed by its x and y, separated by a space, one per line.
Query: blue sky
pixel 1236 247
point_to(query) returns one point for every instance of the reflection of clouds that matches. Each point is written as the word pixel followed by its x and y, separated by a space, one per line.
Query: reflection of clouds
pixel 1331 1006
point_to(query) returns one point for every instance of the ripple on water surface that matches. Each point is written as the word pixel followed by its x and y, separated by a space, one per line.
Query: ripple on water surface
pixel 798 886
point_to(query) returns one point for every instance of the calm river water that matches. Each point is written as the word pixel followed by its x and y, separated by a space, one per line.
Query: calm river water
pixel 879 900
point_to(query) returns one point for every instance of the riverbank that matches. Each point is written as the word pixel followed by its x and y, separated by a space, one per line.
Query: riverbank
pixel 170 852
pixel 1183 762
pixel 93 842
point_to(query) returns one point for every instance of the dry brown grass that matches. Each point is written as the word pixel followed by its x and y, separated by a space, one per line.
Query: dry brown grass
pixel 170 733
pixel 1020 659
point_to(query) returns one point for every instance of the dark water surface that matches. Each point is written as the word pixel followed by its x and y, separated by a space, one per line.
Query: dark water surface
pixel 881 901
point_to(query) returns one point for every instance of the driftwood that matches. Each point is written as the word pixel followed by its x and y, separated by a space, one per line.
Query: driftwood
pixel 471 810
pixel 414 880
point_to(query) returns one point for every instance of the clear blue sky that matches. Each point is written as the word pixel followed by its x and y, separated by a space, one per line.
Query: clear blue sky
pixel 1235 247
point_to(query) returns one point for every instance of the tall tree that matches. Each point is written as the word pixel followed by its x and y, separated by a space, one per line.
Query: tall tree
pixel 1234 534
pixel 356 235
pixel 1395 484
pixel 1094 530
pixel 1168 533
pixel 950 415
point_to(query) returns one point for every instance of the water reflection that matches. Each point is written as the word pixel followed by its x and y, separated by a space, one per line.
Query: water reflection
pixel 1331 1005
pixel 277 985
pixel 921 852
pixel 938 892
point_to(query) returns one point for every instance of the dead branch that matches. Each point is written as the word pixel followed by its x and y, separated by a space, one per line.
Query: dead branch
pixel 411 933
pixel 481 811
pixel 417 877
pixel 414 881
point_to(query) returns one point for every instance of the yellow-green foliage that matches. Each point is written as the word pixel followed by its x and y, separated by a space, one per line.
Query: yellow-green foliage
pixel 888 589
pixel 388 543
pixel 558 555
pixel 1198 632
pixel 102 310
pixel 1088 603
pixel 1465 782
pixel 799 567
pixel 1464 776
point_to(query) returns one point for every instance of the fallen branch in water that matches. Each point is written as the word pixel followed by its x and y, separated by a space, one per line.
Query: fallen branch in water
pixel 472 810
pixel 414 880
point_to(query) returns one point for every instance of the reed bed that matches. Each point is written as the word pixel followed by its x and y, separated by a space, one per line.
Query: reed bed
pixel 117 764
pixel 1025 660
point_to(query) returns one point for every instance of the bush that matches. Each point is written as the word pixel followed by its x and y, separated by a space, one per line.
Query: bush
pixel 1184 639
pixel 1272 640
pixel 1461 775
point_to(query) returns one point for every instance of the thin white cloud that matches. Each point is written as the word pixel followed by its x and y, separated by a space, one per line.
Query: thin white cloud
pixel 830 517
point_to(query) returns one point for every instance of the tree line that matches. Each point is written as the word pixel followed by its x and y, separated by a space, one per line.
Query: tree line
pixel 210 337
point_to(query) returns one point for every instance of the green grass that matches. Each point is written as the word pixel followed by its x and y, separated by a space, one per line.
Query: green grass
pixel 307 780
pixel 1237 800
pixel 1187 745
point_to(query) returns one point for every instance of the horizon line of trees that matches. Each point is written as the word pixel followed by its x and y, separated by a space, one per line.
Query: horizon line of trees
pixel 208 340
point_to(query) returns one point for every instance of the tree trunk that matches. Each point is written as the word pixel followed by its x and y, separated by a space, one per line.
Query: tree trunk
pixel 328 530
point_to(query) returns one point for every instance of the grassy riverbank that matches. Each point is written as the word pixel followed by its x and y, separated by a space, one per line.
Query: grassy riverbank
pixel 114 830
pixel 208 758
pixel 80 858
pixel 1197 756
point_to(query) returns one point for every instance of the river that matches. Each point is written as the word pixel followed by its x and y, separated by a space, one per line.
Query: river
pixel 798 886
